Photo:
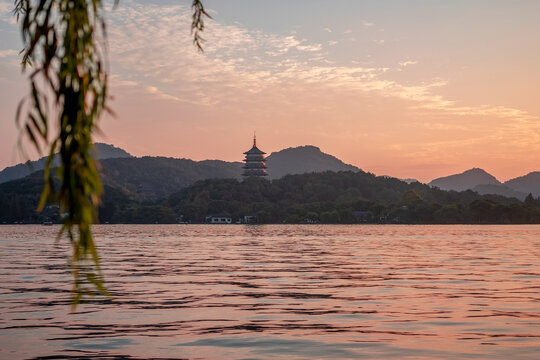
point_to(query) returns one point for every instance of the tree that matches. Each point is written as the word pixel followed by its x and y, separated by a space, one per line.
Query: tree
pixel 529 200
pixel 68 85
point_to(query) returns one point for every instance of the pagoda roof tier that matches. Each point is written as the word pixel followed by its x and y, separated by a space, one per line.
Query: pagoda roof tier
pixel 255 172
pixel 254 166
pixel 254 151
pixel 254 158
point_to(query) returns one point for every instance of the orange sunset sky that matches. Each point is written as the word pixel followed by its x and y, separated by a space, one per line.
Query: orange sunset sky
pixel 412 89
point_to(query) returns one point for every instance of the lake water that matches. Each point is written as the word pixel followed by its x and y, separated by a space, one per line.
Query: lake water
pixel 277 292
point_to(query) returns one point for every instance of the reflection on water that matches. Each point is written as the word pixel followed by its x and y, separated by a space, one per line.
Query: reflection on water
pixel 270 292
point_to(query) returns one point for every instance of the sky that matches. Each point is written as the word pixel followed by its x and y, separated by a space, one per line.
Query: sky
pixel 411 89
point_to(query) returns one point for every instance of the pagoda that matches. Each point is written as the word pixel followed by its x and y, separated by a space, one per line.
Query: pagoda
pixel 254 162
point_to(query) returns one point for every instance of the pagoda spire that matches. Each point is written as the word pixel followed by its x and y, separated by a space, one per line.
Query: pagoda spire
pixel 254 139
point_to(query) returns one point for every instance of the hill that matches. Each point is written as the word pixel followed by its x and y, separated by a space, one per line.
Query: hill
pixel 465 181
pixel 150 178
pixel 409 180
pixel 134 187
pixel 107 151
pixel 303 159
pixel 100 151
pixel 182 172
pixel 529 183
pixel 502 190
pixel 127 182
pixel 345 197
pixel 328 197
pixel 485 183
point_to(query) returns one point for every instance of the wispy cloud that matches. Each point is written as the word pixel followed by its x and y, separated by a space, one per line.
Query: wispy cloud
pixel 368 24
pixel 6 7
pixel 407 63
pixel 6 12
pixel 310 47
pixel 8 52
pixel 151 47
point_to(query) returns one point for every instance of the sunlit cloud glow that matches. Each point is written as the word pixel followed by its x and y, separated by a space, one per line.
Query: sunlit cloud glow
pixel 352 88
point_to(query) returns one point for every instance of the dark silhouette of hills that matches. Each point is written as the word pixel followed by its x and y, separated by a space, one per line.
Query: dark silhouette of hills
pixel 150 178
pixel 154 177
pixel 465 181
pixel 107 151
pixel 303 159
pixel 502 190
pixel 407 180
pixel 100 151
pixel 484 183
pixel 345 198
pixel 327 197
pixel 529 183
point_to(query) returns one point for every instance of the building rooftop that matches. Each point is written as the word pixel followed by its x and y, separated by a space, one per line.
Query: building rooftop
pixel 254 150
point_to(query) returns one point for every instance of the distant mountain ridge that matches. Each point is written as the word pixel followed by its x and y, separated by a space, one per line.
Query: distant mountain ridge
pixel 503 190
pixel 465 181
pixel 107 151
pixel 153 177
pixel 484 183
pixel 327 197
pixel 303 159
pixel 99 151
pixel 406 180
pixel 529 183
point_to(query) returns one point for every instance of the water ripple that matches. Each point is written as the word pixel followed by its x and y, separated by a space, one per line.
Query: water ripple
pixel 271 292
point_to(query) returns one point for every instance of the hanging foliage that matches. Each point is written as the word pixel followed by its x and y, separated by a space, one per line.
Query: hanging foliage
pixel 64 49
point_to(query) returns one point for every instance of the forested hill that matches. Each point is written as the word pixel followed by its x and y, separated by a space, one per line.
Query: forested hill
pixel 347 197
pixel 529 183
pixel 154 177
pixel 484 183
pixel 126 180
pixel 137 180
pixel 303 159
pixel 99 151
pixel 329 197
pixel 466 180
pixel 150 178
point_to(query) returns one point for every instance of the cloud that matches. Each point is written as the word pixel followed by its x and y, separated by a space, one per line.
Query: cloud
pixel 368 24
pixel 313 47
pixel 150 47
pixel 6 12
pixel 407 63
pixel 8 52
pixel 327 30
pixel 6 7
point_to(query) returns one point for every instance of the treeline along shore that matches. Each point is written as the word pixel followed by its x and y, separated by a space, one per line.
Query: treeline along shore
pixel 327 197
